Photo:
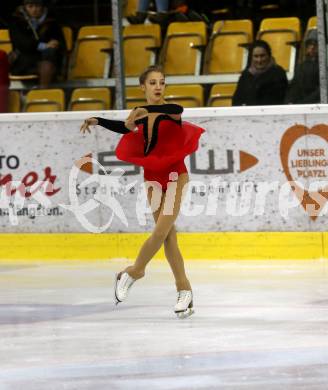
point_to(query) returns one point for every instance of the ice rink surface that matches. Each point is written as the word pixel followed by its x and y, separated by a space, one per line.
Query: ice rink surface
pixel 257 325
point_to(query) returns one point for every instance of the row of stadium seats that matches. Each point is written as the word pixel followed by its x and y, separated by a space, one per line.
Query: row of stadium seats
pixel 46 100
pixel 185 49
pixel 130 7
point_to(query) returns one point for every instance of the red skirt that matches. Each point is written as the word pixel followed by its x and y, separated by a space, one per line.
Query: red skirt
pixel 174 143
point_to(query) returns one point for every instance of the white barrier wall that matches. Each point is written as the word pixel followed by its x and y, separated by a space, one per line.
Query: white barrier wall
pixel 240 176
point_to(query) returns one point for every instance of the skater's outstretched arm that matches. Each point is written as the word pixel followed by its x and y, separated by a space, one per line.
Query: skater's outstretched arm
pixel 113 125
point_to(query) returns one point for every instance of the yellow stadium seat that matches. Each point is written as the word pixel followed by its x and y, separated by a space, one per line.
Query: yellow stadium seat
pixel 221 95
pixel 14 101
pixel 242 25
pixel 189 95
pixel 5 42
pixel 312 23
pixel 90 99
pixel 281 33
pixel 130 7
pixel 45 100
pixel 227 49
pixel 185 95
pixel 92 53
pixel 138 39
pixel 181 53
pixel 134 96
pixel 68 35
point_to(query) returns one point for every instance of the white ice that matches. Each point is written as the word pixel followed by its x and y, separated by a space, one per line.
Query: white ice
pixel 257 325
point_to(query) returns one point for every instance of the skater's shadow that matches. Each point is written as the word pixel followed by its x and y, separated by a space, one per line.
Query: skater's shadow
pixel 11 267
pixel 31 313
pixel 320 302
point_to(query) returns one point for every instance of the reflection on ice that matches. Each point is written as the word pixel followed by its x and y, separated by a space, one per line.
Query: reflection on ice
pixel 257 325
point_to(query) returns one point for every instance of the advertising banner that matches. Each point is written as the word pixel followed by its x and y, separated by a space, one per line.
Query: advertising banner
pixel 256 169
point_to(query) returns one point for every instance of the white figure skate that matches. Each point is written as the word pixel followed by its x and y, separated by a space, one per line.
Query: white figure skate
pixel 122 286
pixel 184 306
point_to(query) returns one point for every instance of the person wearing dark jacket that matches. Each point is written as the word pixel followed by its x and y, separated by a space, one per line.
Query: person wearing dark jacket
pixel 38 42
pixel 263 82
pixel 305 86
pixel 4 81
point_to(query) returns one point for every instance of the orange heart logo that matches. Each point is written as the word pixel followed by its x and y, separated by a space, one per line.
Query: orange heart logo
pixel 309 164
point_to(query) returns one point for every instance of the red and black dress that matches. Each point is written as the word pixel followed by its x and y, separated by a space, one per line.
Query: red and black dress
pixel 160 144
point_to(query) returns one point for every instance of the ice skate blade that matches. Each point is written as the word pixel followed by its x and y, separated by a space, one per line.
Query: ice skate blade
pixel 116 300
pixel 185 314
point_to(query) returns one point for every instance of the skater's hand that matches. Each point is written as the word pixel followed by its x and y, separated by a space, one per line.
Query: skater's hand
pixel 130 124
pixel 53 44
pixel 88 122
pixel 135 114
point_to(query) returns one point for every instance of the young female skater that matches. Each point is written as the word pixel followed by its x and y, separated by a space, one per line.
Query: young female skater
pixel 156 139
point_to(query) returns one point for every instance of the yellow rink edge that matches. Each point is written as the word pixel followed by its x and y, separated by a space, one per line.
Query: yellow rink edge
pixel 213 245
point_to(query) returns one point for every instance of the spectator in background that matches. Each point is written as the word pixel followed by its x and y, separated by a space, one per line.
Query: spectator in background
pixel 143 6
pixel 166 12
pixel 263 82
pixel 38 42
pixel 305 86
pixel 161 5
pixel 181 11
pixel 4 81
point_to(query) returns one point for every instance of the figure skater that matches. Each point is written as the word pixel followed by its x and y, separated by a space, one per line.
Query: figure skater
pixel 156 139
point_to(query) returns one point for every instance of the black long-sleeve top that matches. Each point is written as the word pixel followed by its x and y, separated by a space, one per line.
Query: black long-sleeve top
pixel 164 109
pixel 113 125
pixel 119 126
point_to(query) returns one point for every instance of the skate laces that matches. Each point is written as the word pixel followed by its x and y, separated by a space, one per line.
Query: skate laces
pixel 182 295
pixel 127 282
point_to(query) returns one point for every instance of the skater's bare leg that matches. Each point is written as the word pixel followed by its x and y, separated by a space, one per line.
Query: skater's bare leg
pixel 172 251
pixel 175 259
pixel 164 224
